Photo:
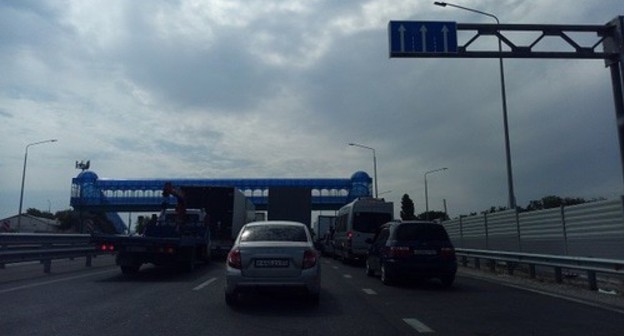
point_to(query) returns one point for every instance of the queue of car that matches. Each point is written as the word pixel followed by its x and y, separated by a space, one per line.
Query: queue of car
pixel 281 255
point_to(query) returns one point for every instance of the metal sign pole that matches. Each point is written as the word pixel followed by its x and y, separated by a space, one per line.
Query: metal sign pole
pixel 416 39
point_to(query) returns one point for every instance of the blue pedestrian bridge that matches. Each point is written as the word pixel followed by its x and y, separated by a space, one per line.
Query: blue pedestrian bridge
pixel 91 193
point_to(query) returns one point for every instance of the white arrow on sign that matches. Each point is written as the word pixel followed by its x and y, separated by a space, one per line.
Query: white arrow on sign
pixel 423 35
pixel 445 31
pixel 402 37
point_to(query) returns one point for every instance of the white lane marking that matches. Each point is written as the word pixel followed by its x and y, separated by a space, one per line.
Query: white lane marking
pixel 563 297
pixel 348 276
pixel 55 281
pixel 419 326
pixel 22 264
pixel 369 291
pixel 335 267
pixel 205 283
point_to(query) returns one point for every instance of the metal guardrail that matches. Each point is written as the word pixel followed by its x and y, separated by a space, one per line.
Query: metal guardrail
pixel 592 266
pixel 24 247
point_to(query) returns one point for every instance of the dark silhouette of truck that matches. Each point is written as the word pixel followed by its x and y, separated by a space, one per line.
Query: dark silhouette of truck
pixel 203 224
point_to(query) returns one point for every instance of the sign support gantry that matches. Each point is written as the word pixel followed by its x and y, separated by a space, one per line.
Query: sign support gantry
pixel 610 36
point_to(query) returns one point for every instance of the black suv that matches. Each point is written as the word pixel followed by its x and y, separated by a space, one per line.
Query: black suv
pixel 412 249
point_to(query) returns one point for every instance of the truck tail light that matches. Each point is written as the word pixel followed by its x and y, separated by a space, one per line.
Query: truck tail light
pixel 234 259
pixel 349 242
pixel 309 259
pixel 168 250
pixel 104 247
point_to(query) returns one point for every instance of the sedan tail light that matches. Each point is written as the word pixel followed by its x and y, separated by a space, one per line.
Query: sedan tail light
pixel 447 253
pixel 310 258
pixel 234 259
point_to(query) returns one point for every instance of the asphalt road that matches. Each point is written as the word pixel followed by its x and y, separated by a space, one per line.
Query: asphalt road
pixel 75 300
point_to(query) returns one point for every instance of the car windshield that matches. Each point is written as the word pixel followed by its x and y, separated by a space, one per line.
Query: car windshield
pixel 274 233
pixel 369 222
pixel 411 232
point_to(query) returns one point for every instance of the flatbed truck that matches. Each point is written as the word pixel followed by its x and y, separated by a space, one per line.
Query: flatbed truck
pixel 201 225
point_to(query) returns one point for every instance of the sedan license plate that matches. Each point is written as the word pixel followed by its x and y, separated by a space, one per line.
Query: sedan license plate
pixel 267 263
pixel 425 252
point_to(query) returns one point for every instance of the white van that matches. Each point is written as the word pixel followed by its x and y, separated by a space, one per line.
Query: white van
pixel 356 222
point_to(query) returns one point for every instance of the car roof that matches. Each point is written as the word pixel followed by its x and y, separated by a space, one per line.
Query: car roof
pixel 275 222
pixel 417 222
pixel 397 222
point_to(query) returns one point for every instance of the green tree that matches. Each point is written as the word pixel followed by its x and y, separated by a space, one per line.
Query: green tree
pixel 407 208
pixel 433 215
pixel 552 201
pixel 39 213
pixel 494 209
pixel 69 219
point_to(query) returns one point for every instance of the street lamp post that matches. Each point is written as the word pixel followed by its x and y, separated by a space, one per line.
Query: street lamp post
pixel 374 164
pixel 19 214
pixel 427 193
pixel 512 197
pixel 384 192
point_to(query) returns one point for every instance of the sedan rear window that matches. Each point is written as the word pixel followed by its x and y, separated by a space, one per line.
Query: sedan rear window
pixel 412 232
pixel 274 233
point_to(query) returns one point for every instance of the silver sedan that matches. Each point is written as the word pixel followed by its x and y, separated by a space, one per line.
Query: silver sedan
pixel 273 254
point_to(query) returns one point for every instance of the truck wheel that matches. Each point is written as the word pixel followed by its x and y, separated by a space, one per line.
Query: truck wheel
pixel 345 258
pixel 230 299
pixel 130 269
pixel 314 298
pixel 207 255
pixel 447 280
pixel 186 263
pixel 189 265
pixel 369 270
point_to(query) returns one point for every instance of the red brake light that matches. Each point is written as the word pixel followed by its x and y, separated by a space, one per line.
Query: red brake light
pixel 309 259
pixel 349 234
pixel 234 259
pixel 107 247
pixel 447 253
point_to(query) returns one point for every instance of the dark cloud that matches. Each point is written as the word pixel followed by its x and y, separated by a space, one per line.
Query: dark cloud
pixel 169 88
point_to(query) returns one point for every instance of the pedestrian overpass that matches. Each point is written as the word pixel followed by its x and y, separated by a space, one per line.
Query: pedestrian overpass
pixel 91 193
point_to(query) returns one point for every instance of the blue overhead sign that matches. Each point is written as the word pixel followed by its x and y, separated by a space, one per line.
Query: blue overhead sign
pixel 412 38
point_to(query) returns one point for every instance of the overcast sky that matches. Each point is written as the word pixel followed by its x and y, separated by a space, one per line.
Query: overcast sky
pixel 254 89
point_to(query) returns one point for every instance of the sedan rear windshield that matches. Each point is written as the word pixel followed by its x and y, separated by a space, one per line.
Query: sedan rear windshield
pixel 274 233
pixel 430 232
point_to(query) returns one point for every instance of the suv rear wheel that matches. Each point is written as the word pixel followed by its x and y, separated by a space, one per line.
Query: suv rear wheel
pixel 447 280
pixel 386 278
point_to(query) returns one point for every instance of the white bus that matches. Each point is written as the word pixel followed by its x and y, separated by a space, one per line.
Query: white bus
pixel 357 221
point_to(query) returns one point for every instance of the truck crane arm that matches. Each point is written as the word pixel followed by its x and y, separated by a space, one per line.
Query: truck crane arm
pixel 169 190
